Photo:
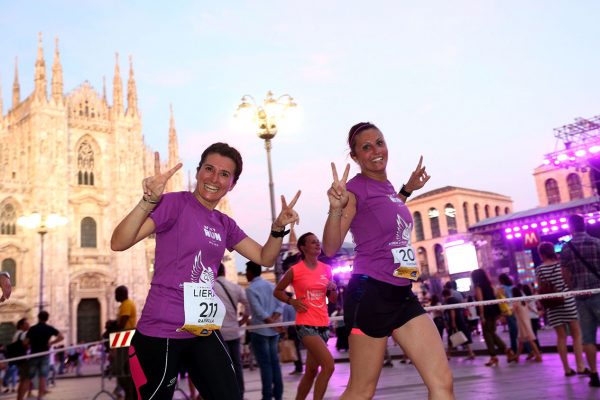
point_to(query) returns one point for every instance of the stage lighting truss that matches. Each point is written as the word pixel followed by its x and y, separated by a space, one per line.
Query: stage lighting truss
pixel 581 141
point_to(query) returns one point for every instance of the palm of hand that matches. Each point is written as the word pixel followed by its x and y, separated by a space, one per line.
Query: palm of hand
pixel 337 193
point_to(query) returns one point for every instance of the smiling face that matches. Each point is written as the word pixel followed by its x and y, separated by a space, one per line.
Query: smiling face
pixel 214 179
pixel 311 247
pixel 370 152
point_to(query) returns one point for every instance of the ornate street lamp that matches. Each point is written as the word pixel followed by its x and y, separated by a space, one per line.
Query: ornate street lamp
pixel 266 119
pixel 41 223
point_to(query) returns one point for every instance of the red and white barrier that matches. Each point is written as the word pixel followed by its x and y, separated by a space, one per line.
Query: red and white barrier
pixel 121 339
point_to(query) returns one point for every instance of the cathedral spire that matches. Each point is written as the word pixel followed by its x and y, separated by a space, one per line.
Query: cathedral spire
pixel 173 146
pixel 16 91
pixel 104 90
pixel 57 76
pixel 117 89
pixel 40 90
pixel 131 92
pixel 176 182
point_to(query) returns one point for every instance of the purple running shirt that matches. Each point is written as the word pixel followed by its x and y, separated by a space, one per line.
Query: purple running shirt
pixel 382 223
pixel 190 243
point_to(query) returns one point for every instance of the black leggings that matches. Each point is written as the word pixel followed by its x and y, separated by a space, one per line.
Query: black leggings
pixel 155 363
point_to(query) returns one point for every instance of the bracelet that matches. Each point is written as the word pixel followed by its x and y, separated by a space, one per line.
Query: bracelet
pixel 149 200
pixel 404 192
pixel 279 234
pixel 335 213
pixel 143 208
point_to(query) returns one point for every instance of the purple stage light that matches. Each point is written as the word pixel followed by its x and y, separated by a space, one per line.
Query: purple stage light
pixel 543 223
pixel 516 229
pixel 546 162
pixel 525 227
pixel 534 225
pixel 591 221
pixel 508 230
pixel 563 219
pixel 580 153
pixel 556 162
pixel 552 222
pixel 554 228
pixel 518 235
pixel 594 149
pixel 341 269
pixel 545 230
pixel 562 157
pixel 565 226
pixel 509 236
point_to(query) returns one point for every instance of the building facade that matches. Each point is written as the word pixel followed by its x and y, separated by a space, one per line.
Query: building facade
pixel 556 185
pixel 444 215
pixel 75 155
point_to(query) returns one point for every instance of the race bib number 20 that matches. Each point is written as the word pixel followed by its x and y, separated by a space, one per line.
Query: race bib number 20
pixel 405 257
pixel 204 311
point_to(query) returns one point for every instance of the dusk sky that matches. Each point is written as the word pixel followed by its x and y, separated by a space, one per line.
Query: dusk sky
pixel 476 87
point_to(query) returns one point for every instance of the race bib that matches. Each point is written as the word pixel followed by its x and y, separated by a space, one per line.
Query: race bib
pixel 204 311
pixel 405 256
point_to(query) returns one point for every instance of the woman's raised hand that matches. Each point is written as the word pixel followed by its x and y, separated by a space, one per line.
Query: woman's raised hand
pixel 418 178
pixel 154 186
pixel 288 215
pixel 337 194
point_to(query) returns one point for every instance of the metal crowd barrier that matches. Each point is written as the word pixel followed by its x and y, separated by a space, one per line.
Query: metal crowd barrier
pixel 123 338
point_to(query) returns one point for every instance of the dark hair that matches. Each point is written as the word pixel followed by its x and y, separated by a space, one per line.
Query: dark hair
pixel 576 223
pixel 546 250
pixel 434 300
pixel 355 130
pixel 480 278
pixel 302 242
pixel 21 323
pixel 221 270
pixel 226 151
pixel 253 268
pixel 516 292
pixel 122 290
pixel 504 279
pixel 446 293
pixel 450 285
pixel 43 316
pixel 526 289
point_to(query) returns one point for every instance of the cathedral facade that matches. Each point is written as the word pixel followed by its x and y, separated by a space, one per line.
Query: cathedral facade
pixel 75 155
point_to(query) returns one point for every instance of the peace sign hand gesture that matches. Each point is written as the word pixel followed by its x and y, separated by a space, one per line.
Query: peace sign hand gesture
pixel 337 194
pixel 288 215
pixel 154 186
pixel 418 178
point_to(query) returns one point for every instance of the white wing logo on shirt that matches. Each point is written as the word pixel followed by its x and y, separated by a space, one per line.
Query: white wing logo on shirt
pixel 201 273
pixel 404 229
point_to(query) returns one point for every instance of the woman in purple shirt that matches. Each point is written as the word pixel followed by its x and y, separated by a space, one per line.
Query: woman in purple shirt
pixel 379 300
pixel 181 317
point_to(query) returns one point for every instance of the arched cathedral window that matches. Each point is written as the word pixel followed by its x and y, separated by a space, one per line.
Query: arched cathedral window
pixel 88 232
pixel 85 164
pixel 8 219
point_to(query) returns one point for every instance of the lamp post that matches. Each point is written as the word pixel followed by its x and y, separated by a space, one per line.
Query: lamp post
pixel 266 119
pixel 41 223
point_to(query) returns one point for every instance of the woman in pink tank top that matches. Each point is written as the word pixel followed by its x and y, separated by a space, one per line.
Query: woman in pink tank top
pixel 312 283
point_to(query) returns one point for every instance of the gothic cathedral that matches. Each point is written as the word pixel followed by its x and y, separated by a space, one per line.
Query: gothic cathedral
pixel 80 157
